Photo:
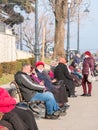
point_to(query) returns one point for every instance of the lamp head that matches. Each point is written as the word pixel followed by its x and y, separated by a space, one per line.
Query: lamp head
pixel 86 10
pixel 69 1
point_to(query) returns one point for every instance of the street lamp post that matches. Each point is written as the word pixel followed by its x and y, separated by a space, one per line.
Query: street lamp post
pixel 21 36
pixel 68 30
pixel 78 25
pixel 78 33
pixel 37 53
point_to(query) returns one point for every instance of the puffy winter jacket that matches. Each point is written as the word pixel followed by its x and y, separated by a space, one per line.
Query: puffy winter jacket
pixel 88 63
pixel 27 87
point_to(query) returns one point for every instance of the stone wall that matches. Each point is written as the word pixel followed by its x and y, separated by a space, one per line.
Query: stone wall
pixel 22 54
pixel 7 48
pixel 8 51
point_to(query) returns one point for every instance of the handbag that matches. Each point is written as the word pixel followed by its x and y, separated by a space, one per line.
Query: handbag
pixel 58 84
pixel 91 77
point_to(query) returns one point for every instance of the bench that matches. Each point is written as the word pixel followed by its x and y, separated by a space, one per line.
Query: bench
pixel 37 107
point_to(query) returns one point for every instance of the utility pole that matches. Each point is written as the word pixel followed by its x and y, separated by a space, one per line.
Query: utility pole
pixel 21 37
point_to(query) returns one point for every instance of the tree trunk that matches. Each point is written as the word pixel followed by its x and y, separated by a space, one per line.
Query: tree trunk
pixel 60 18
pixel 59 39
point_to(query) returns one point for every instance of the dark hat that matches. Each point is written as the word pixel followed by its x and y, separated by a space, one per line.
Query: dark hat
pixel 39 63
pixel 87 53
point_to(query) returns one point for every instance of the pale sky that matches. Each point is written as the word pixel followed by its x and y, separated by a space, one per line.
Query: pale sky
pixel 88 27
pixel 88 30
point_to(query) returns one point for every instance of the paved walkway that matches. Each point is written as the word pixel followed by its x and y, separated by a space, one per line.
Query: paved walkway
pixel 82 114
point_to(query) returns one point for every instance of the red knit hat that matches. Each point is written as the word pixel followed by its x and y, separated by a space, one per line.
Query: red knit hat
pixel 87 53
pixel 39 63
pixel 7 103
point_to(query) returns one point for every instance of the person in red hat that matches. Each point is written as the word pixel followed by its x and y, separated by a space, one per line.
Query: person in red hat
pixel 88 65
pixel 87 53
pixel 59 93
pixel 39 63
pixel 32 91
pixel 12 117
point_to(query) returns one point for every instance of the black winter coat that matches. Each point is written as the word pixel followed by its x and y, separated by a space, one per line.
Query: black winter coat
pixel 27 87
pixel 19 119
pixel 59 93
pixel 61 73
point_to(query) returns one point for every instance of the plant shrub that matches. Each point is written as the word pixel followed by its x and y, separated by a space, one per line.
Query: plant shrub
pixel 13 67
pixel 1 70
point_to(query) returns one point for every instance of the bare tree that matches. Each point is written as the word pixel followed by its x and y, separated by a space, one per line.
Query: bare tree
pixel 29 35
pixel 60 11
pixel 45 33
pixel 59 8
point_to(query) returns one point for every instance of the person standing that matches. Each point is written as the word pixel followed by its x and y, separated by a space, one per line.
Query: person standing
pixel 88 65
pixel 77 59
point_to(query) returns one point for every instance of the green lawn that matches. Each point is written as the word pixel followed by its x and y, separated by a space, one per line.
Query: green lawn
pixel 6 78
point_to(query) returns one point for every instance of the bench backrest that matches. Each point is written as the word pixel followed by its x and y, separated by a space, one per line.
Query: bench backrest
pixel 14 84
pixel 38 107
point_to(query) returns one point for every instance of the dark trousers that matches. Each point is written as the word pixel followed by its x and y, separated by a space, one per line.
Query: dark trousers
pixel 21 119
pixel 86 84
pixel 70 87
pixel 6 124
pixel 60 94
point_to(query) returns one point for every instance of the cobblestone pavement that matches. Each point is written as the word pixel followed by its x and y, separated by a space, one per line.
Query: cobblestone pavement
pixel 82 114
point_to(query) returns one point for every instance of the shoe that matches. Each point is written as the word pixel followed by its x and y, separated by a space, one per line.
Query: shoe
pixel 57 113
pixel 61 105
pixel 51 116
pixel 62 112
pixel 66 105
pixel 88 95
pixel 84 94
pixel 73 96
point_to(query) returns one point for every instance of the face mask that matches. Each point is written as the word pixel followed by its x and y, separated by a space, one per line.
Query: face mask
pixel 86 56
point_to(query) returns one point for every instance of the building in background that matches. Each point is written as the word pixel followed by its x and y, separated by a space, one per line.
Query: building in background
pixel 8 51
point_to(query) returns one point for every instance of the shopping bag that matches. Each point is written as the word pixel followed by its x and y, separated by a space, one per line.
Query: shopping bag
pixel 91 77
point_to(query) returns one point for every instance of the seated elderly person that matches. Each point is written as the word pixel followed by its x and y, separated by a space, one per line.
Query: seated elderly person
pixel 58 90
pixel 61 72
pixel 32 91
pixel 3 128
pixel 12 117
